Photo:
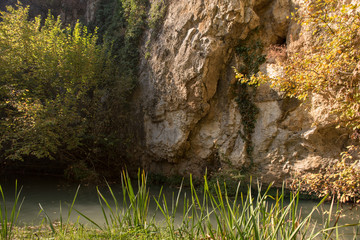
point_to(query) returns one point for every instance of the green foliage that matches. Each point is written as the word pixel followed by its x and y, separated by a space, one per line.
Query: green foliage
pixel 49 75
pixel 248 111
pixel 156 13
pixel 251 57
pixel 64 91
pixel 135 15
pixel 138 202
pixel 53 83
pixel 122 23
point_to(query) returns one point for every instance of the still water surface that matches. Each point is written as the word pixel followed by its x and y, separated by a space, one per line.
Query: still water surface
pixel 51 191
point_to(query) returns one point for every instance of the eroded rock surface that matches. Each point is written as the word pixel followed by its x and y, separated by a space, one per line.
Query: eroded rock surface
pixel 186 102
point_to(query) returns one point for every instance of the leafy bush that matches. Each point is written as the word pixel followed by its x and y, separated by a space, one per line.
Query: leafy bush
pixel 64 92
pixel 49 84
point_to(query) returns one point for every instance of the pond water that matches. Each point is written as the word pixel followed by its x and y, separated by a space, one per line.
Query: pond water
pixel 51 191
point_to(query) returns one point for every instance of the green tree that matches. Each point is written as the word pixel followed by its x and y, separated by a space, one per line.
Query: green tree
pixel 49 78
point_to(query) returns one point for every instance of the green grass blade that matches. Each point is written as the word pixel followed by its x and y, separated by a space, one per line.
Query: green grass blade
pixel 48 219
pixel 88 219
pixel 72 205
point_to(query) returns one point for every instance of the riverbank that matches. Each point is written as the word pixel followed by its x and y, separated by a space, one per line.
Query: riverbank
pixel 194 213
pixel 78 231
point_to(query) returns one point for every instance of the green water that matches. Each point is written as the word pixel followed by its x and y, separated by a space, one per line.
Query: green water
pixel 50 192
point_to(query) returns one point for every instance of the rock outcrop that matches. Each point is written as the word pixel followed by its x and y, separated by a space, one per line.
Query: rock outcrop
pixel 186 103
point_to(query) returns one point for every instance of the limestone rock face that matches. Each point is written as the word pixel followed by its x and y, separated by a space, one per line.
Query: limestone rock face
pixel 189 117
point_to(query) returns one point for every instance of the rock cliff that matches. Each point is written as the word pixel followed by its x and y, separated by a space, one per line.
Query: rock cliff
pixel 185 99
pixel 186 117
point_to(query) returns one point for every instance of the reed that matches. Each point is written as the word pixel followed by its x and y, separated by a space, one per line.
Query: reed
pixel 63 228
pixel 217 216
pixel 8 219
pixel 206 213
pixel 209 213
pixel 127 212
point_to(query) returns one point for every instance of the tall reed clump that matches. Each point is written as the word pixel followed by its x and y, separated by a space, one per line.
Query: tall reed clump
pixel 9 219
pixel 216 216
pixel 128 214
pixel 209 214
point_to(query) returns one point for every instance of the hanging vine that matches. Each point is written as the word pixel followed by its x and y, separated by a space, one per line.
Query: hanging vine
pixel 251 58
